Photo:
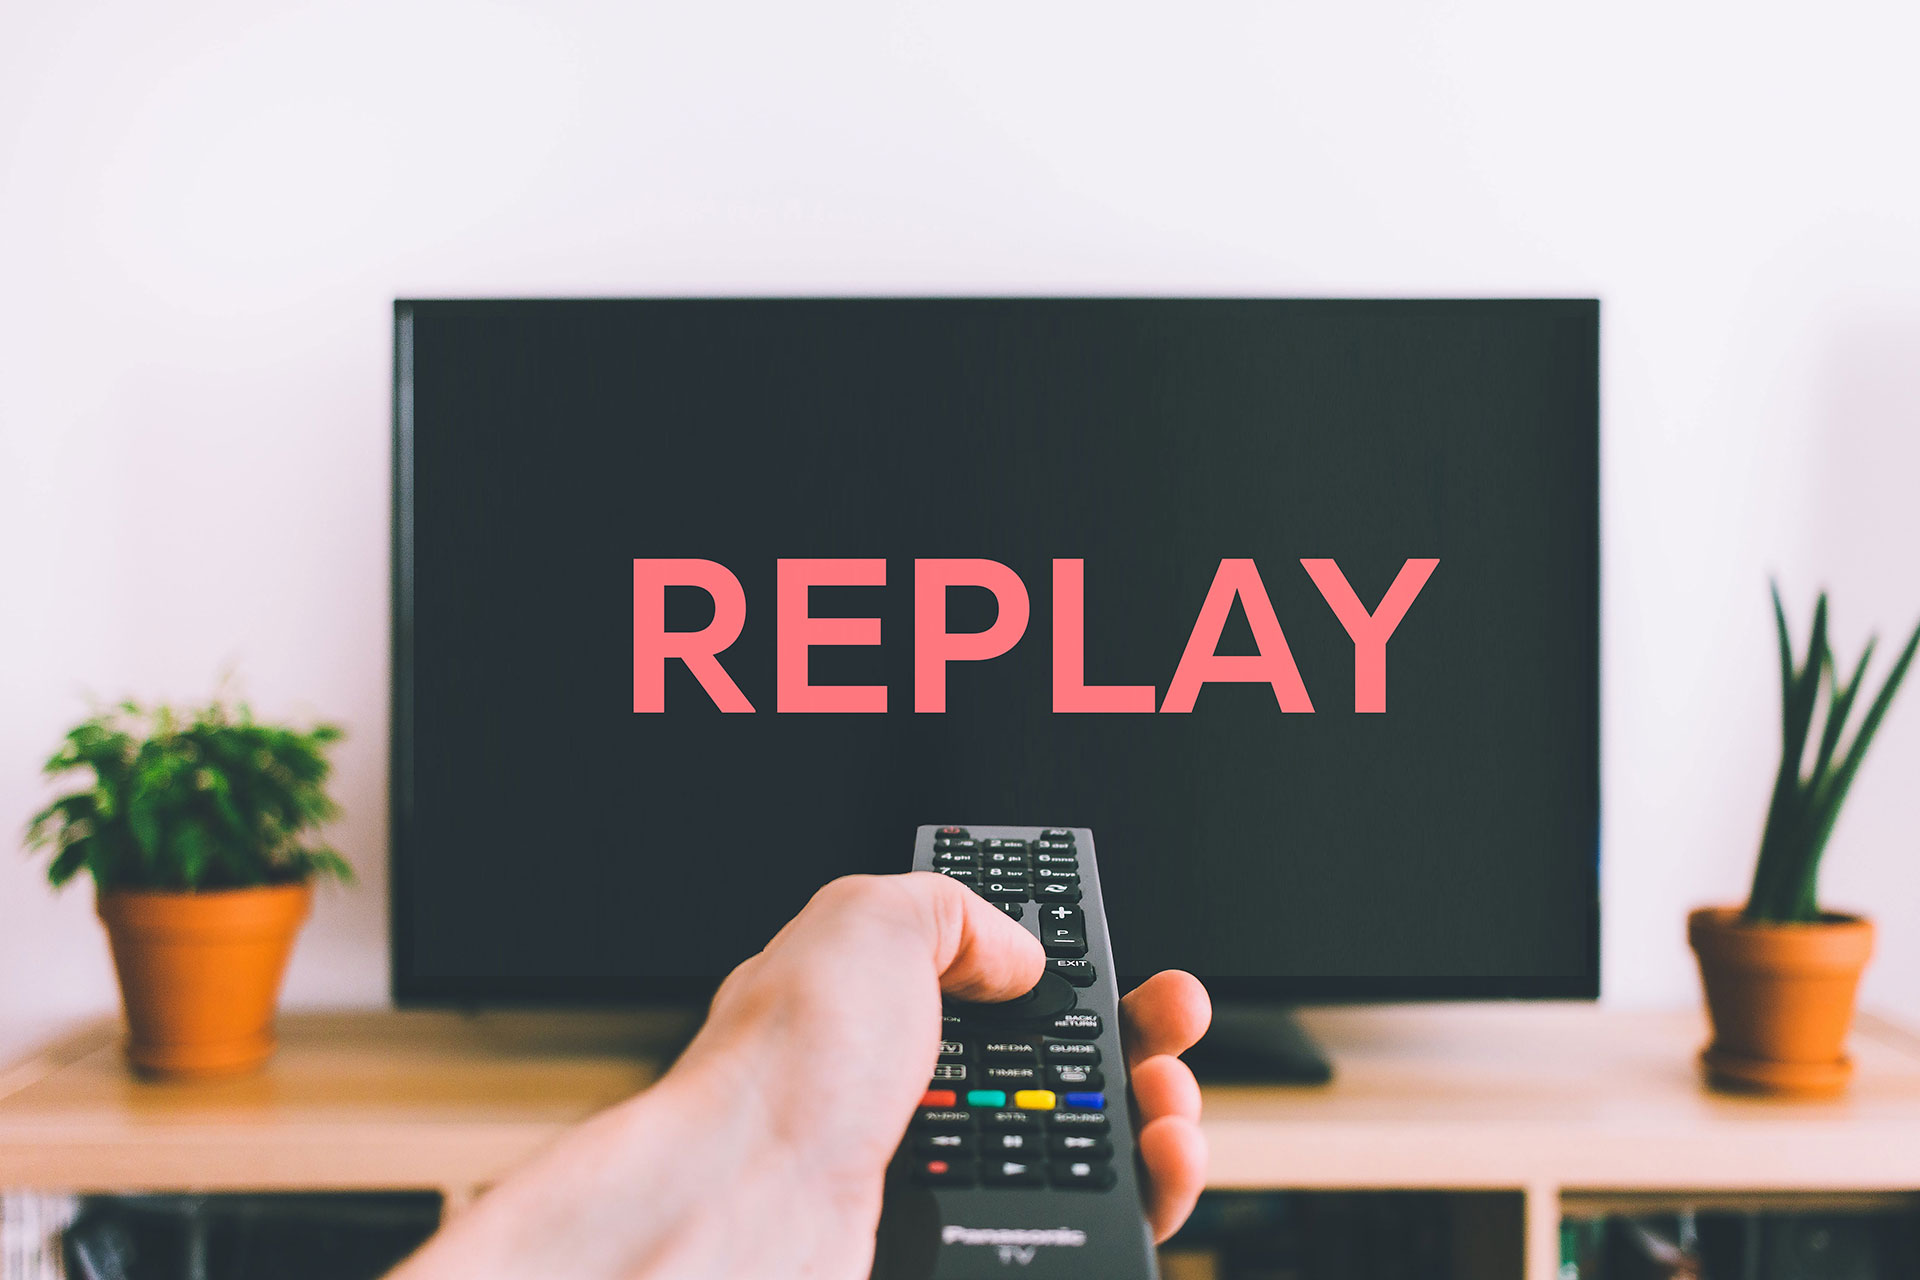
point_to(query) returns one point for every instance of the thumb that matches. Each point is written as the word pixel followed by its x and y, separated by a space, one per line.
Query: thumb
pixel 979 953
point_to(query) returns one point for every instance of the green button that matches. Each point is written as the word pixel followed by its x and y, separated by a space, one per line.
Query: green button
pixel 987 1098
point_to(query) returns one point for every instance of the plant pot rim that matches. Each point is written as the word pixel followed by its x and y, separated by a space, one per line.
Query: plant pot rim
pixel 257 909
pixel 1732 920
pixel 302 885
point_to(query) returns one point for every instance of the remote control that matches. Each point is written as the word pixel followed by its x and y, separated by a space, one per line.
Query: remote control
pixel 1019 1159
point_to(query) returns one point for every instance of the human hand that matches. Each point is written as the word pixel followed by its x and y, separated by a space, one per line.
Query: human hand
pixel 764 1150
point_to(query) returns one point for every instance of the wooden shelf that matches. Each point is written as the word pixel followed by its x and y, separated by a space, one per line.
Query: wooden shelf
pixel 1567 1105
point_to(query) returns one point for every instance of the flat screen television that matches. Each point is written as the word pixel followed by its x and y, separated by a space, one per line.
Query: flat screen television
pixel 1307 606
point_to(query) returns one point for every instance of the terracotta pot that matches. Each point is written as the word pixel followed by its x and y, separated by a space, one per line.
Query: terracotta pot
pixel 1781 999
pixel 200 972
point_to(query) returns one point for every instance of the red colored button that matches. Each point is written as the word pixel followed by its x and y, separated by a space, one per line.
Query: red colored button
pixel 936 1166
pixel 938 1098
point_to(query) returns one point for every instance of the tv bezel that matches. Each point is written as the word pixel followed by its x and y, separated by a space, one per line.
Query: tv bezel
pixel 412 989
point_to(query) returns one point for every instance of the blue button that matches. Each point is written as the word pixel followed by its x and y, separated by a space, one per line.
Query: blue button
pixel 1087 1101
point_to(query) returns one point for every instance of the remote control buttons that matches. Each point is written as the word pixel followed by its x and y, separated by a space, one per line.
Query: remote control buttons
pixel 942 1118
pixel 1080 1146
pixel 943 1173
pixel 944 1145
pixel 1075 1025
pixel 1050 996
pixel 1063 930
pixel 1089 1175
pixel 1077 971
pixel 1013 1173
pixel 1017 1097
pixel 1010 1142
pixel 1076 1076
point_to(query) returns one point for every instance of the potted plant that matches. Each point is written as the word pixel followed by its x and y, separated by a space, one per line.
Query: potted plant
pixel 1781 973
pixel 192 826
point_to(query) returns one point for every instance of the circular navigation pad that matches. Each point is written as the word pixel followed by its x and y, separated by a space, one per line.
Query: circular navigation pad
pixel 1051 996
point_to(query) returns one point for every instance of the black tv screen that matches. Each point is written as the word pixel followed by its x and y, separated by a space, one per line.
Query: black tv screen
pixel 700 603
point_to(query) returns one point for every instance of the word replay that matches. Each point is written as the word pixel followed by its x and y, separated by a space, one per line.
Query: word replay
pixel 934 646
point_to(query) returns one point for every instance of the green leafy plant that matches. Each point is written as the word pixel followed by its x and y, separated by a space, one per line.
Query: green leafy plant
pixel 1807 802
pixel 202 799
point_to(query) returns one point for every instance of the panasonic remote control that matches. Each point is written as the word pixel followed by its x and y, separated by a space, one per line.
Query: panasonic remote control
pixel 1020 1157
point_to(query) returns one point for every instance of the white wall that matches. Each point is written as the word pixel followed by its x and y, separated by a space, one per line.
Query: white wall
pixel 206 207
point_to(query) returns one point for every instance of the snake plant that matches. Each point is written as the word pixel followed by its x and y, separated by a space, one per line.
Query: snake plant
pixel 1807 799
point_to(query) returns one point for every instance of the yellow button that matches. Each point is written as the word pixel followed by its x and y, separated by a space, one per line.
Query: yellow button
pixel 1034 1099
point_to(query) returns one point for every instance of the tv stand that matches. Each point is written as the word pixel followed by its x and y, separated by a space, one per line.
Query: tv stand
pixel 1527 1116
pixel 1252 1043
